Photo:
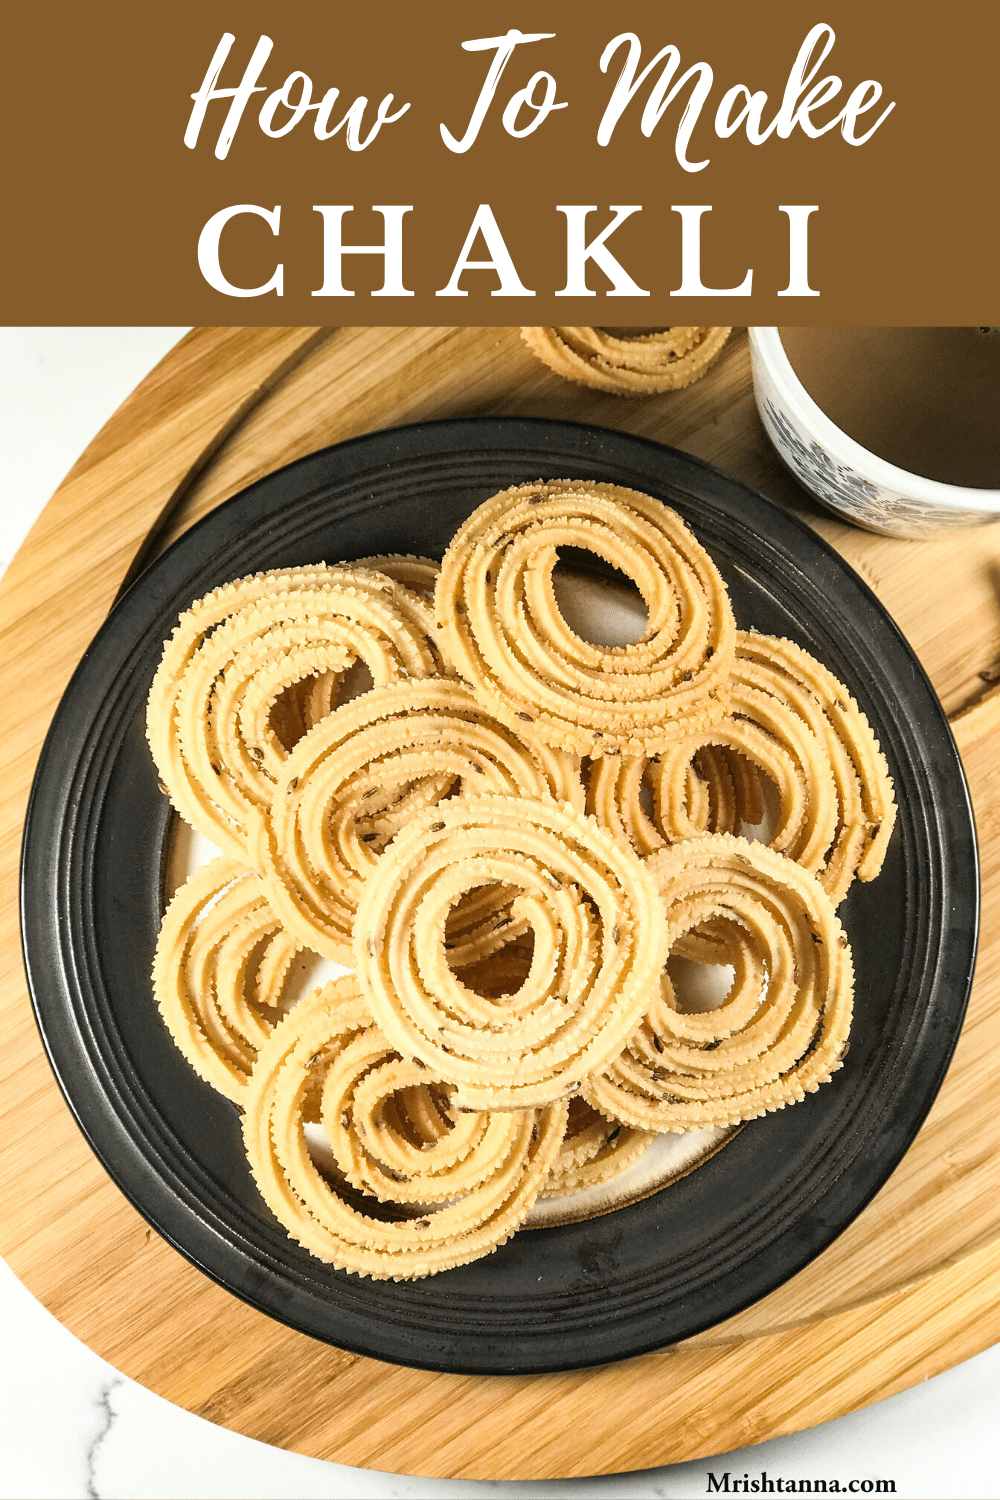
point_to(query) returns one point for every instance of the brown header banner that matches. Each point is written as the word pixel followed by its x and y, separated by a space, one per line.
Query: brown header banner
pixel 525 163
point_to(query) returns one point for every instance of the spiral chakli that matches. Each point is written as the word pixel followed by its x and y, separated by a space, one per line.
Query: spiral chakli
pixel 594 1150
pixel 454 1184
pixel 501 625
pixel 416 573
pixel 267 654
pixel 628 364
pixel 790 722
pixel 362 775
pixel 522 866
pixel 717 792
pixel 598 946
pixel 782 1029
pixel 221 959
pixel 865 804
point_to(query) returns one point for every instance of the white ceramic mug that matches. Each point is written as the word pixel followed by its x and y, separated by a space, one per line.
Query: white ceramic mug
pixel 842 475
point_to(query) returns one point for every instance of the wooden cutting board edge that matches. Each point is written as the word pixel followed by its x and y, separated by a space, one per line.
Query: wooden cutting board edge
pixel 165 433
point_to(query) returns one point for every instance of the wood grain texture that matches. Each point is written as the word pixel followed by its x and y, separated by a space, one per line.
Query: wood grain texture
pixel 910 1288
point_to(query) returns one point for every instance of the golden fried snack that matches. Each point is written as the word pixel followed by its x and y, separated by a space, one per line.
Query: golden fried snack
pixel 759 1050
pixel 598 946
pixel 221 960
pixel 594 1150
pixel 762 732
pixel 635 364
pixel 617 796
pixel 397 1135
pixel 513 1029
pixel 366 772
pixel 416 573
pixel 501 626
pixel 458 1185
pixel 791 722
pixel 493 959
pixel 866 807
pixel 250 666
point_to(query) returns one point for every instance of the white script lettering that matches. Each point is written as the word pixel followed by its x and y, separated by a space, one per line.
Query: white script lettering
pixel 280 99
pixel 503 48
pixel 738 106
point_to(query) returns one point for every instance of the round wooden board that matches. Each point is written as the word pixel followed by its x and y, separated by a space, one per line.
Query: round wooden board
pixel 912 1287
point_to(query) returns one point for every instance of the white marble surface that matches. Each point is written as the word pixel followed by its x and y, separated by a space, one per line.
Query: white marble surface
pixel 71 1426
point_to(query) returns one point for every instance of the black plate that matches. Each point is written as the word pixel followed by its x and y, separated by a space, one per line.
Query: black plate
pixel 551 1299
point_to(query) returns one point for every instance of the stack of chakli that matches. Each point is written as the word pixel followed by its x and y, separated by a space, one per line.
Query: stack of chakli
pixel 513 843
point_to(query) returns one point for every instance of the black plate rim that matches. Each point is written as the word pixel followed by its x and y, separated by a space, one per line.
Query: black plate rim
pixel 159 1192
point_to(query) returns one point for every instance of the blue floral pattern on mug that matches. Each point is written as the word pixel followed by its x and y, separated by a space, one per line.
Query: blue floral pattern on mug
pixel 838 487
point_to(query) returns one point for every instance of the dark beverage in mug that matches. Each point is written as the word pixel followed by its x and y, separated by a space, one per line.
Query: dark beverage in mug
pixel 925 399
